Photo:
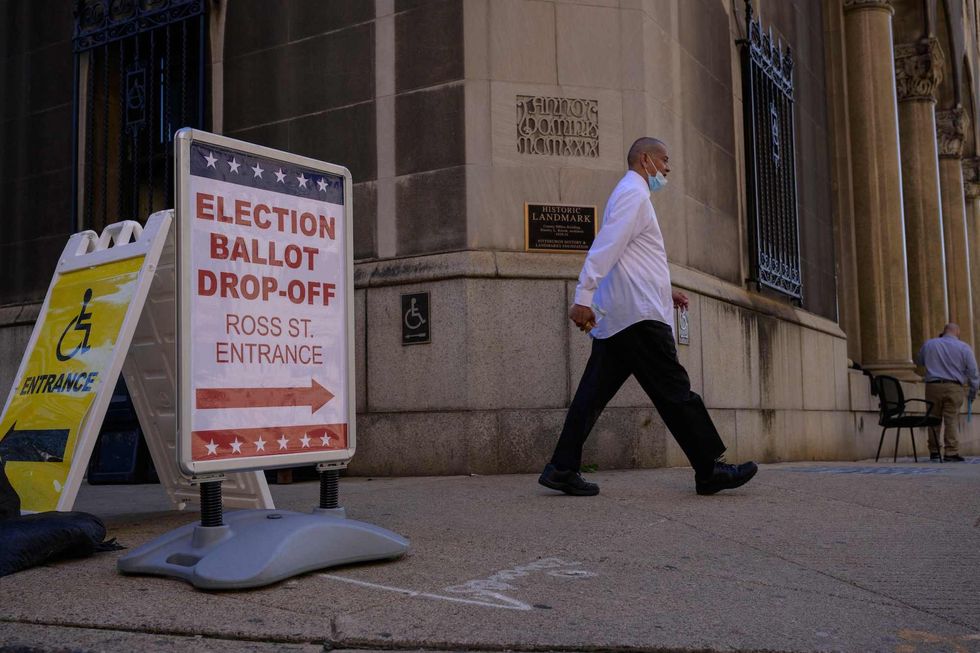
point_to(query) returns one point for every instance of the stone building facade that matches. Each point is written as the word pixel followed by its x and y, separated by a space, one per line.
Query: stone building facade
pixel 447 113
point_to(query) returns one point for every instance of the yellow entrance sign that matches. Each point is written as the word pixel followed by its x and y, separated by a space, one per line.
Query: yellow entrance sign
pixel 53 395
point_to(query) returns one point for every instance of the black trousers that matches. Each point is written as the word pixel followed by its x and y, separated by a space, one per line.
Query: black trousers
pixel 646 350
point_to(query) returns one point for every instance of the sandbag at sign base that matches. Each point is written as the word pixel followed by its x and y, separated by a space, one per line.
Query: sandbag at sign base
pixel 49 536
pixel 44 537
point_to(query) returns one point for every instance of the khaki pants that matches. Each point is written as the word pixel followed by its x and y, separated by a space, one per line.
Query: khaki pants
pixel 946 398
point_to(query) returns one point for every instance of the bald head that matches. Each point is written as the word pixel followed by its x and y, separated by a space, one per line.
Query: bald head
pixel 644 145
pixel 952 329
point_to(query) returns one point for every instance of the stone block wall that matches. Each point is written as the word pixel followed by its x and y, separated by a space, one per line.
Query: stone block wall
pixel 664 68
pixel 35 145
pixel 428 102
pixel 421 100
pixel 300 76
pixel 18 323
pixel 489 394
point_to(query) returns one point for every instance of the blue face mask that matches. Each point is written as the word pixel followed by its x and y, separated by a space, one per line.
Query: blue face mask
pixel 656 182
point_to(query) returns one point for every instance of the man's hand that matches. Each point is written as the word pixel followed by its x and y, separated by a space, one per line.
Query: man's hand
pixel 680 299
pixel 582 316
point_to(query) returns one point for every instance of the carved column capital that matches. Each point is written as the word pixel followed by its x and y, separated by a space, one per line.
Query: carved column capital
pixel 951 132
pixel 918 70
pixel 852 5
pixel 971 178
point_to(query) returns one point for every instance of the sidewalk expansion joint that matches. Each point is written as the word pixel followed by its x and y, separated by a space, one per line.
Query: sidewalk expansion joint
pixel 230 637
pixel 356 644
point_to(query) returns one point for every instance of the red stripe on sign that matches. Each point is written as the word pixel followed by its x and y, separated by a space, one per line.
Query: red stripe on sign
pixel 267 441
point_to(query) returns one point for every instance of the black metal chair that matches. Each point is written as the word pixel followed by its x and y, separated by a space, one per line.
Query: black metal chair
pixel 892 413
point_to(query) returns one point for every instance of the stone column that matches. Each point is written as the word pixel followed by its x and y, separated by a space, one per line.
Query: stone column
pixel 918 72
pixel 886 346
pixel 971 185
pixel 950 131
pixel 848 299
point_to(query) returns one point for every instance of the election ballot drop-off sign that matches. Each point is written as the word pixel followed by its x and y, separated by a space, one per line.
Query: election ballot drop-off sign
pixel 265 372
pixel 265 328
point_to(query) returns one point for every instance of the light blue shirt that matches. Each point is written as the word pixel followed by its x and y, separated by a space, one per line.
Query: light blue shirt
pixel 948 358
pixel 626 278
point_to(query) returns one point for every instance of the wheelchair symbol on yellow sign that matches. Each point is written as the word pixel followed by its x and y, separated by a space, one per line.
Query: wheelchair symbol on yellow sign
pixel 80 323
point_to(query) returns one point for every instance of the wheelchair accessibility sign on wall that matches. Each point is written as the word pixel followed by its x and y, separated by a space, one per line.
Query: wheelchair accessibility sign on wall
pixel 415 319
pixel 73 358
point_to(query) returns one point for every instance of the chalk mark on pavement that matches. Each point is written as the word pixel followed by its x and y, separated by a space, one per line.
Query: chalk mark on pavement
pixel 486 592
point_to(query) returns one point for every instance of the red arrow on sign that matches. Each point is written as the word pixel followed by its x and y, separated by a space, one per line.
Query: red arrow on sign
pixel 314 396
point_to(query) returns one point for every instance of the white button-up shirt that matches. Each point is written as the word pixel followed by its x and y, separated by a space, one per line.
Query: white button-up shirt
pixel 625 278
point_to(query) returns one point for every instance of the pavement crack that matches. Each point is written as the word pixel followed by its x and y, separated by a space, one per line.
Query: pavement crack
pixel 791 588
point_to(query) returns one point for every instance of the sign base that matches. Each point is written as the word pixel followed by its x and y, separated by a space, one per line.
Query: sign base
pixel 259 547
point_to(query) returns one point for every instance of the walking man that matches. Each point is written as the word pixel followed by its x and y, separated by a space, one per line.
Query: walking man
pixel 950 368
pixel 625 302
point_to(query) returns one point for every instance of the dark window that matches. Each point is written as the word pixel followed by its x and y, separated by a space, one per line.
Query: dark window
pixel 770 152
pixel 139 78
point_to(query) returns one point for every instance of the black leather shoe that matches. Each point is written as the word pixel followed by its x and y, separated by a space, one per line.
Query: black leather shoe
pixel 935 458
pixel 726 477
pixel 569 482
pixel 955 458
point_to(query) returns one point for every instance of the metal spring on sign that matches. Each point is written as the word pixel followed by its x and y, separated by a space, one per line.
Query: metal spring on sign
pixel 211 504
pixel 329 490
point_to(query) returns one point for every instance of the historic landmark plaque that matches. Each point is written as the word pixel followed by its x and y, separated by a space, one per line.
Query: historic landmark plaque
pixel 559 227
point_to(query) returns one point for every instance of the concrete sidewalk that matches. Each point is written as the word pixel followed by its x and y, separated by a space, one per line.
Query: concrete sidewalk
pixel 807 557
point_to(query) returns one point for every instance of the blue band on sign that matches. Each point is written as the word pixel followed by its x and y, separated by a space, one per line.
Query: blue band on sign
pixel 249 170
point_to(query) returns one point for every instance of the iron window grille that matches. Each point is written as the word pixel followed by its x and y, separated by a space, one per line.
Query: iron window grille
pixel 770 151
pixel 139 77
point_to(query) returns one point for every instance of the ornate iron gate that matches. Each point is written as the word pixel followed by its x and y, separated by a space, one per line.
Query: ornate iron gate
pixel 139 76
pixel 770 151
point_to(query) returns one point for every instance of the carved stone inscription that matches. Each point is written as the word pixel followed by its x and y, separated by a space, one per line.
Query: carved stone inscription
pixel 557 126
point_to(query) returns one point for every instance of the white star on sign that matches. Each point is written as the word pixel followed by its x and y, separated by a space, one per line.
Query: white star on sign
pixel 212 448
pixel 258 171
pixel 325 440
pixel 260 444
pixel 283 441
pixel 305 440
pixel 301 178
pixel 322 184
pixel 281 176
pixel 234 165
pixel 236 445
pixel 211 159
